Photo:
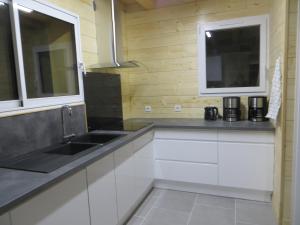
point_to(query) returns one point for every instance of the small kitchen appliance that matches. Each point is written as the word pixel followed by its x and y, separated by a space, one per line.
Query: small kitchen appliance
pixel 231 109
pixel 257 108
pixel 211 113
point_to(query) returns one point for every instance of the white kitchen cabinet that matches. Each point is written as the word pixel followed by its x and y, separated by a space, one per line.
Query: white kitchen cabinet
pixel 125 180
pixel 102 192
pixel 197 173
pixel 246 136
pixel 246 165
pixel 238 159
pixel 187 134
pixel 186 151
pixel 144 169
pixel 4 219
pixel 64 203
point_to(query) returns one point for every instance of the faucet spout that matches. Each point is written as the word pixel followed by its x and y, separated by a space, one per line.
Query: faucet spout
pixel 66 137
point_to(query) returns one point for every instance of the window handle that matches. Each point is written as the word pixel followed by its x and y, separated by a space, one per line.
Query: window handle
pixel 82 68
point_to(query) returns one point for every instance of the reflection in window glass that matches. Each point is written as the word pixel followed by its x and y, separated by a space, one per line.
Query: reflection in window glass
pixel 232 57
pixel 49 56
pixel 8 83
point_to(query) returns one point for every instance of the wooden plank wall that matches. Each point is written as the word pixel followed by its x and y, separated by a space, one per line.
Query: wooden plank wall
pixel 278 29
pixel 289 117
pixel 164 41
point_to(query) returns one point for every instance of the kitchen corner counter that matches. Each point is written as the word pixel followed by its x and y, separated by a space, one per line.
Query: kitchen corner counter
pixel 204 124
pixel 18 186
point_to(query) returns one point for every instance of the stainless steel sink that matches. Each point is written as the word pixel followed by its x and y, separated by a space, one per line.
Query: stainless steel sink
pixel 96 138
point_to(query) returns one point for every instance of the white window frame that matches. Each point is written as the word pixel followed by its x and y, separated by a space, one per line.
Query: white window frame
pixel 262 89
pixel 48 9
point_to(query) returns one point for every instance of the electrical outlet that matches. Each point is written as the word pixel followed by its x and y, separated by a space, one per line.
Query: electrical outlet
pixel 177 108
pixel 148 108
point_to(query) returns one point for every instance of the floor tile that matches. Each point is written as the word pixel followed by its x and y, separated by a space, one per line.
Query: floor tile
pixel 156 192
pixel 207 215
pixel 159 216
pixel 241 223
pixel 146 205
pixel 216 201
pixel 253 212
pixel 176 200
pixel 135 221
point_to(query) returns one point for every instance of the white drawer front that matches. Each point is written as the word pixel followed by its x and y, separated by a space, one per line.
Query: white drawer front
pixel 186 172
pixel 196 134
pixel 189 151
pixel 248 166
pixel 247 136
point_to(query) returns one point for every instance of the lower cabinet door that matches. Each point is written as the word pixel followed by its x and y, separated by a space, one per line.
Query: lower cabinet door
pixel 144 169
pixel 125 181
pixel 4 219
pixel 102 192
pixel 246 165
pixel 64 203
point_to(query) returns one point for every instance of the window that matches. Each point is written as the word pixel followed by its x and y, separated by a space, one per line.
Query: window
pixel 39 55
pixel 8 84
pixel 232 56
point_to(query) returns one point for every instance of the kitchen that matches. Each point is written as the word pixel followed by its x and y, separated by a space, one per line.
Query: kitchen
pixel 148 57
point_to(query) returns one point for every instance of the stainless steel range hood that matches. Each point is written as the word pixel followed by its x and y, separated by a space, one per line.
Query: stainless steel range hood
pixel 109 36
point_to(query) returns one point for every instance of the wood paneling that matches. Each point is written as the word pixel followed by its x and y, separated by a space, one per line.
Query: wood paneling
pixel 289 116
pixel 145 4
pixel 164 42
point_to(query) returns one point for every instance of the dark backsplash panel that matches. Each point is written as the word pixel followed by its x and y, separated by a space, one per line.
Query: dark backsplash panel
pixel 103 95
pixel 25 133
pixel 103 99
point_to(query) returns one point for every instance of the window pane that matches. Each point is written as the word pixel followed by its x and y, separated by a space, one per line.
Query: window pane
pixel 49 56
pixel 8 83
pixel 232 57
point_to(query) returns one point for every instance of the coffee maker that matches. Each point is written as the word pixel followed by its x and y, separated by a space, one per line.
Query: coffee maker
pixel 211 113
pixel 231 109
pixel 257 108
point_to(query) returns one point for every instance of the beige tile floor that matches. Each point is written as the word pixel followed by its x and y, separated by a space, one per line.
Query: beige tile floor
pixel 166 207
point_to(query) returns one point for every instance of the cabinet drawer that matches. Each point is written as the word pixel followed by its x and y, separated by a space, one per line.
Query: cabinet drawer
pixel 188 134
pixel 186 172
pixel 247 166
pixel 247 136
pixel 189 151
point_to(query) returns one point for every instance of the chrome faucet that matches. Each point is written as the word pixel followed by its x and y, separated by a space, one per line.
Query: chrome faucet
pixel 66 137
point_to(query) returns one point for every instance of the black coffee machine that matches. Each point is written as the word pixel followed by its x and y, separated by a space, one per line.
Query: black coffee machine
pixel 211 113
pixel 231 109
pixel 258 108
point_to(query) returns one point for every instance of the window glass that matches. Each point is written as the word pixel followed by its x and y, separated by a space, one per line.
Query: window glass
pixel 8 83
pixel 232 57
pixel 49 55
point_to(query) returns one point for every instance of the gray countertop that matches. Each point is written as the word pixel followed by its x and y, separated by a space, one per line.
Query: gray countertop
pixel 204 124
pixel 16 186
